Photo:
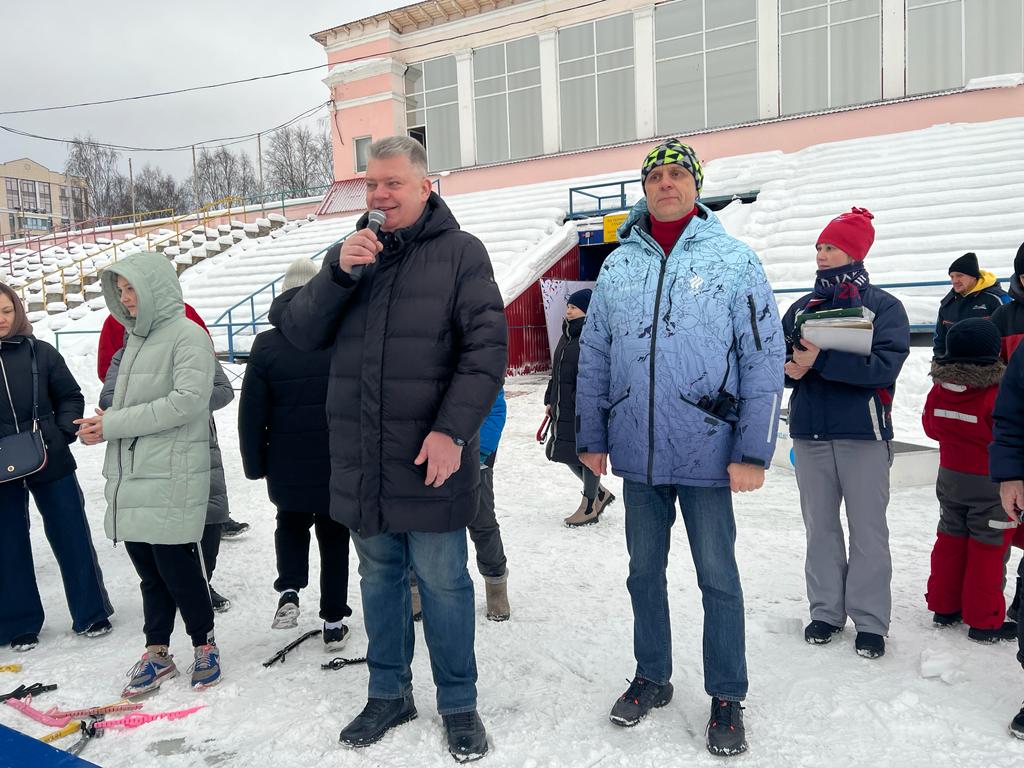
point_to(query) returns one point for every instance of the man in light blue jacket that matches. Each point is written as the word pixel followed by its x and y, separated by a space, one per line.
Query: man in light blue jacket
pixel 680 378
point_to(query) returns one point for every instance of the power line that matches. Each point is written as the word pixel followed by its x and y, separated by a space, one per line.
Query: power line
pixel 256 78
pixel 208 143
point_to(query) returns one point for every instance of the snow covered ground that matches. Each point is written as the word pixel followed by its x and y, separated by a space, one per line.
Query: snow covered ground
pixel 549 676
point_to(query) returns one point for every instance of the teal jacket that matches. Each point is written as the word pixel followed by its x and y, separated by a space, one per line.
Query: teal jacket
pixel 157 464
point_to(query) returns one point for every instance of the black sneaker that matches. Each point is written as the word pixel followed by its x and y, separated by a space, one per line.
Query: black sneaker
pixel 467 739
pixel 233 528
pixel 869 645
pixel 220 603
pixel 335 637
pixel 376 719
pixel 1017 724
pixel 97 629
pixel 946 619
pixel 25 642
pixel 725 734
pixel 287 614
pixel 1006 632
pixel 640 698
pixel 820 632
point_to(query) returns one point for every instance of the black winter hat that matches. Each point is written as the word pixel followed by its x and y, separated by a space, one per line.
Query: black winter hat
pixel 580 299
pixel 975 340
pixel 1018 263
pixel 966 265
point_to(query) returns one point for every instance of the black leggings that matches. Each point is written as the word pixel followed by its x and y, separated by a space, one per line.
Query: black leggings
pixel 591 482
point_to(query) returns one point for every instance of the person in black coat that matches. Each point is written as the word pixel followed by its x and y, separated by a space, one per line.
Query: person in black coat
pixel 54 488
pixel 560 407
pixel 419 340
pixel 282 433
pixel 976 293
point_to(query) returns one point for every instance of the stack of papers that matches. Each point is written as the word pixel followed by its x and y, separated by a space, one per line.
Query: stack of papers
pixel 843 330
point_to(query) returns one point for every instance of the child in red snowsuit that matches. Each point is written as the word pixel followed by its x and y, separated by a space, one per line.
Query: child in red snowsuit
pixel 966 579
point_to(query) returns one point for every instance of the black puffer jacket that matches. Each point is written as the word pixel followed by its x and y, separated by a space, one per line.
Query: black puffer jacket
pixel 561 394
pixel 419 345
pixel 282 422
pixel 60 403
pixel 1009 319
pixel 982 302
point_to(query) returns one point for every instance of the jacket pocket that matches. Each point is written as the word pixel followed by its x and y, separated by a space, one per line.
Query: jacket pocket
pixel 615 401
pixel 709 417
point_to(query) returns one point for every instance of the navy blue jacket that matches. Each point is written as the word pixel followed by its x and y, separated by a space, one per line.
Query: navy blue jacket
pixel 1006 453
pixel 847 396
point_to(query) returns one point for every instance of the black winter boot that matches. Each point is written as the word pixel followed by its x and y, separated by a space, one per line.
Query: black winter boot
pixel 467 738
pixel 640 698
pixel 377 718
pixel 725 733
pixel 1017 724
pixel 820 632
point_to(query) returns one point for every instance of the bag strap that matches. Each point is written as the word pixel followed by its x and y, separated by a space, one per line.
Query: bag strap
pixel 35 388
pixel 3 369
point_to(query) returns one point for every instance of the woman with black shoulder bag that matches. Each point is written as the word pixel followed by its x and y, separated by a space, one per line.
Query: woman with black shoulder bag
pixel 39 400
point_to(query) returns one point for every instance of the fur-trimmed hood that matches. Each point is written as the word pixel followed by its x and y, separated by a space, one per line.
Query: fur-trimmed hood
pixel 968 375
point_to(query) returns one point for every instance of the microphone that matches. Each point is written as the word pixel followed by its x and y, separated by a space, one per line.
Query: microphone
pixel 375 221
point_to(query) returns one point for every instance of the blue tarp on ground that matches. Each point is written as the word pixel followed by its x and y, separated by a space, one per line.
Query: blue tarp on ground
pixel 20 751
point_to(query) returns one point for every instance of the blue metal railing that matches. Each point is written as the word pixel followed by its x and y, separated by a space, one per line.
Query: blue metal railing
pixel 616 199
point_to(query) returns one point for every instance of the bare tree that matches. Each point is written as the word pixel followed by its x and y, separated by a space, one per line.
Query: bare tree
pixel 297 158
pixel 223 173
pixel 99 166
pixel 156 190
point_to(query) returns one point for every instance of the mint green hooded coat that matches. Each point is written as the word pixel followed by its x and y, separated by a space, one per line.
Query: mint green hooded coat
pixel 157 464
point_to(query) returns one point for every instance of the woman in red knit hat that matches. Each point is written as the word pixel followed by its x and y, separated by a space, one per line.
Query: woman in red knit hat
pixel 841 424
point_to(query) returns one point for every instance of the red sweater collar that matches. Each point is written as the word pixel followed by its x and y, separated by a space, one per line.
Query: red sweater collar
pixel 666 233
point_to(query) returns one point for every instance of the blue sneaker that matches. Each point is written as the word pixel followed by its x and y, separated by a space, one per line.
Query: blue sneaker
pixel 206 668
pixel 147 675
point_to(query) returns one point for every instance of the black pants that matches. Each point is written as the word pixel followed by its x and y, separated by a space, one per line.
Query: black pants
pixel 172 578
pixel 210 544
pixel 591 482
pixel 291 540
pixel 485 532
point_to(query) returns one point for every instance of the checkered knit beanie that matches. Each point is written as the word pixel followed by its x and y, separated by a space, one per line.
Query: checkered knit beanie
pixel 674 151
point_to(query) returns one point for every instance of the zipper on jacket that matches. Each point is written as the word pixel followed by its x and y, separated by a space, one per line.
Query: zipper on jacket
pixel 650 393
pixel 131 452
pixel 753 321
pixel 120 464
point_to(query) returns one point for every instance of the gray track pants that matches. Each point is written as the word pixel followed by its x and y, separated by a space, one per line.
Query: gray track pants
pixel 857 471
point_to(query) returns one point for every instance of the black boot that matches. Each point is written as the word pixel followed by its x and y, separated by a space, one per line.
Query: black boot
pixel 946 619
pixel 820 632
pixel 376 719
pixel 467 739
pixel 1017 724
pixel 725 732
pixel 640 698
pixel 869 645
pixel 1006 632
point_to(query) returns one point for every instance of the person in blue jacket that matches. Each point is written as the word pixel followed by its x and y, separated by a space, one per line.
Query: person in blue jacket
pixel 680 379
pixel 1006 467
pixel 840 419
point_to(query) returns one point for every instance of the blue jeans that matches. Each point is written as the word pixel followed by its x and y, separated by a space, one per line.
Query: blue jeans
pixel 446 594
pixel 711 530
pixel 62 508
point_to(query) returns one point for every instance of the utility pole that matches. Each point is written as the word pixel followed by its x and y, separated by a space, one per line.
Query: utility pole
pixel 259 161
pixel 131 187
pixel 195 178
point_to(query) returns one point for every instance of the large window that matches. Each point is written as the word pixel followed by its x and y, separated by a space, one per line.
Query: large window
pixel 506 101
pixel 79 204
pixel 362 150
pixel 28 194
pixel 705 63
pixel 830 53
pixel 432 104
pixel 596 88
pixel 11 189
pixel 45 203
pixel 949 42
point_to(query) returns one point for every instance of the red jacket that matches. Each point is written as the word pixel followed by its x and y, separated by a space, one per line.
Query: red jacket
pixel 112 339
pixel 960 418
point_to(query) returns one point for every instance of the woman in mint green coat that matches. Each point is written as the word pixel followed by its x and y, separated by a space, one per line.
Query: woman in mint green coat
pixel 157 465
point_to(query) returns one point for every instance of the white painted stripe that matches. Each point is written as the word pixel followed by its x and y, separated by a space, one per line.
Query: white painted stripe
pixel 970 418
pixel 775 418
pixel 874 417
pixel 953 387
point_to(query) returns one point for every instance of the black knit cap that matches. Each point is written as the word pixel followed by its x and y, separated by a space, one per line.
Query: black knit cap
pixel 1018 262
pixel 975 340
pixel 580 299
pixel 966 265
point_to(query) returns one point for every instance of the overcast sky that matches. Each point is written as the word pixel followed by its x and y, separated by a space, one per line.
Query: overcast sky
pixel 62 51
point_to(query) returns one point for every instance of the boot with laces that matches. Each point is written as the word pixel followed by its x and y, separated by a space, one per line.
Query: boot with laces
pixel 206 668
pixel 725 734
pixel 377 718
pixel 155 666
pixel 640 698
pixel 467 738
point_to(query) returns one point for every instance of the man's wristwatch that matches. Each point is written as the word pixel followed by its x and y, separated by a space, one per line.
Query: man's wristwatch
pixel 458 441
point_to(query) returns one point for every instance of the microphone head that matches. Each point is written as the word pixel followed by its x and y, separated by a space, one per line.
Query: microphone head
pixel 377 217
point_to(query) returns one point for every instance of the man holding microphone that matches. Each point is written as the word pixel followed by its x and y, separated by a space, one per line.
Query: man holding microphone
pixel 418 332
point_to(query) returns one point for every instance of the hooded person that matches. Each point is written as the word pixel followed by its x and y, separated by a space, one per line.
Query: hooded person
pixel 282 434
pixel 840 419
pixel 966 581
pixel 976 293
pixel 157 465
pixel 560 406
pixel 37 387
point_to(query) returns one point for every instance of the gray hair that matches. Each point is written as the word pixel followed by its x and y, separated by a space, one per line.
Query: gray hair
pixel 395 146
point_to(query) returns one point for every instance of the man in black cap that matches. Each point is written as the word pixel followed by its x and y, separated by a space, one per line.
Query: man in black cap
pixel 976 293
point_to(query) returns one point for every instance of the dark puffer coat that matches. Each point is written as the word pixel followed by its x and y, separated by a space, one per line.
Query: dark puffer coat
pixel 60 403
pixel 419 345
pixel 1009 319
pixel 982 302
pixel 282 421
pixel 561 394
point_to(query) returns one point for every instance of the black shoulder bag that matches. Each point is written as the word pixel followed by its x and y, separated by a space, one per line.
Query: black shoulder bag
pixel 22 453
